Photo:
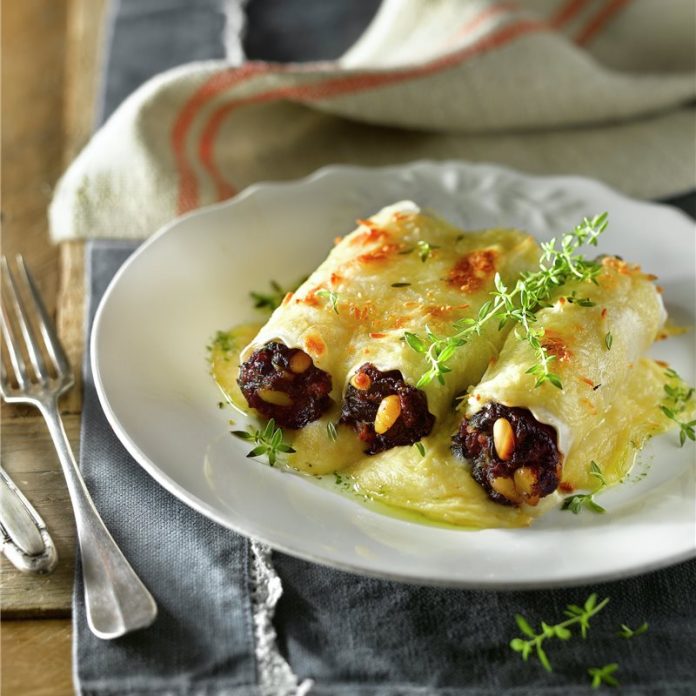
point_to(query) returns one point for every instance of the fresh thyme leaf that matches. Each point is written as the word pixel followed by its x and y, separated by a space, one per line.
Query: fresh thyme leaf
pixel 425 249
pixel 519 304
pixel 400 285
pixel 627 632
pixel 576 503
pixel 330 296
pixel 271 300
pixel 269 441
pixel 420 447
pixel 416 342
pixel 268 300
pixel 242 434
pixel 582 301
pixel 608 340
pixel 223 341
pixel 576 615
pixel 603 675
pixel 678 400
pixel 331 431
pixel 598 474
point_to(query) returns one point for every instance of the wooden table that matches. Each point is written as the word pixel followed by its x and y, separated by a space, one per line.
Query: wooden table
pixel 50 68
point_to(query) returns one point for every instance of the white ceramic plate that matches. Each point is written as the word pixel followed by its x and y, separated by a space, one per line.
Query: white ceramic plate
pixel 193 277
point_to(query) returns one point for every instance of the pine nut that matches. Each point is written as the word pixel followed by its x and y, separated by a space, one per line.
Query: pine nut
pixel 387 413
pixel 503 438
pixel 506 488
pixel 361 381
pixel 525 482
pixel 300 362
pixel 277 398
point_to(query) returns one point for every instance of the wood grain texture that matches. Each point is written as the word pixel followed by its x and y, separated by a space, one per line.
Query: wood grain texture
pixel 84 57
pixel 51 56
pixel 33 49
pixel 70 317
pixel 36 658
pixel 30 459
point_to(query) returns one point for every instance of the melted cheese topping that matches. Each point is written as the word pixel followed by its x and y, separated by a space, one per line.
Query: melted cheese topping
pixel 610 394
pixel 381 287
pixel 399 271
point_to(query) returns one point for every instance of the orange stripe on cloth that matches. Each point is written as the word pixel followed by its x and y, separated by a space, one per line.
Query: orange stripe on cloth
pixel 599 20
pixel 188 196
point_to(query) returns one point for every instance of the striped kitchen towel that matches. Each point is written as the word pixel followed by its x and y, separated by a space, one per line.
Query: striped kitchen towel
pixel 603 88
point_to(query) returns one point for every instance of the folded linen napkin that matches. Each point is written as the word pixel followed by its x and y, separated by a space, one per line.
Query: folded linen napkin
pixel 236 620
pixel 597 87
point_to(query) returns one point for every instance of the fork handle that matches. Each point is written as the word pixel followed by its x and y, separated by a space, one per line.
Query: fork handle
pixel 117 601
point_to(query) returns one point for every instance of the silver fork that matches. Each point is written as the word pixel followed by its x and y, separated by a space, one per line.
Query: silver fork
pixel 116 599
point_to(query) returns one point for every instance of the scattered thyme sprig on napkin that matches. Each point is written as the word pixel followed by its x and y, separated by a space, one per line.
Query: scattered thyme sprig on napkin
pixel 519 305
pixel 576 616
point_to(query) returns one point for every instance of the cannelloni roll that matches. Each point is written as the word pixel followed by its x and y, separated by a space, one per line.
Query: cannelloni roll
pixel 334 351
pixel 524 440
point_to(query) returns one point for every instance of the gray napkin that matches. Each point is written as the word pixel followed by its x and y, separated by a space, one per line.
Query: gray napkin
pixel 347 634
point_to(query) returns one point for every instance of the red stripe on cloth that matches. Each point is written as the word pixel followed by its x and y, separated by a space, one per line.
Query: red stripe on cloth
pixel 564 14
pixel 343 85
pixel 188 185
pixel 598 21
pixel 492 11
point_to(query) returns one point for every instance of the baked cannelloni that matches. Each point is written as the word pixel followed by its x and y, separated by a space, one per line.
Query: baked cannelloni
pixel 409 361
pixel 334 351
pixel 522 439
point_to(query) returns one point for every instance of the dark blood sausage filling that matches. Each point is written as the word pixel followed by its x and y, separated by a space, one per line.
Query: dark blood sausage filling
pixel 530 467
pixel 283 383
pixel 362 402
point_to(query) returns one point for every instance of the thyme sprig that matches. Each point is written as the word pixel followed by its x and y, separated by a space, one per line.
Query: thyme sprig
pixel 269 441
pixel 603 675
pixel 268 301
pixel 677 399
pixel 575 503
pixel 577 615
pixel 627 632
pixel 519 304
pixel 331 297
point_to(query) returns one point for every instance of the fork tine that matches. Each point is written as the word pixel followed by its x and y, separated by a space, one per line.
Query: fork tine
pixel 15 356
pixel 53 345
pixel 35 356
pixel 51 340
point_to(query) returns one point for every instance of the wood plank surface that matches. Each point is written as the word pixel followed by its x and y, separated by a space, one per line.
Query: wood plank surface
pixel 51 60
pixel 30 459
pixel 36 658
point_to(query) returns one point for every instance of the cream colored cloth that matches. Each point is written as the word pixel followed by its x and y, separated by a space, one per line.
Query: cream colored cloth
pixel 602 88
